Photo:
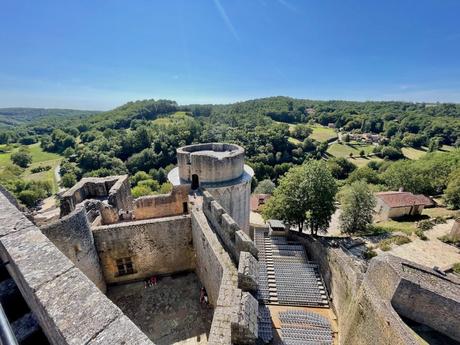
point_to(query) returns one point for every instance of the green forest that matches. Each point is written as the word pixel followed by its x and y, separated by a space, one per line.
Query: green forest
pixel 418 149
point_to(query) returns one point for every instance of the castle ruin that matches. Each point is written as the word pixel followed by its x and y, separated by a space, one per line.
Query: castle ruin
pixel 77 275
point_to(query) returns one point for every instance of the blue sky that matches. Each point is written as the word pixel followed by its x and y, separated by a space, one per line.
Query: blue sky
pixel 98 54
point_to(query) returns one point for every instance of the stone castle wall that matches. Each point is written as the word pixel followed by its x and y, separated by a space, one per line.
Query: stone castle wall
pixel 235 309
pixel 233 239
pixel 73 236
pixel 70 309
pixel 155 206
pixel 155 246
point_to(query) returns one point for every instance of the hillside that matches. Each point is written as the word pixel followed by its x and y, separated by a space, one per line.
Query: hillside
pixel 19 116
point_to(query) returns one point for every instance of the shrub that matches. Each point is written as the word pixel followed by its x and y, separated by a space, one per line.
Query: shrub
pixel 421 235
pixel 425 225
pixel 369 254
pixel 385 244
pixel 141 191
pixel 456 267
pixel 449 239
pixel 21 158
pixel 40 169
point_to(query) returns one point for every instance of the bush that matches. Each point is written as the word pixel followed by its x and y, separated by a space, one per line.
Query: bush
pixel 369 254
pixel 21 158
pixel 152 184
pixel 29 197
pixel 139 191
pixel 421 235
pixel 425 225
pixel 398 240
pixel 456 267
pixel 453 240
pixel 39 169
pixel 68 180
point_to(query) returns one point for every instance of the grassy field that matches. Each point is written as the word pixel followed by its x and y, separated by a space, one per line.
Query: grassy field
pixel 321 133
pixel 39 158
pixel 412 153
pixel 294 141
pixel 344 150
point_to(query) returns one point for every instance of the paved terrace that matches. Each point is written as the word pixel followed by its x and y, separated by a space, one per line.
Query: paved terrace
pixel 292 295
pixel 169 312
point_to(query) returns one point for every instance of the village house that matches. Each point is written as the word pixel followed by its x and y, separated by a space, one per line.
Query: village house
pixel 399 204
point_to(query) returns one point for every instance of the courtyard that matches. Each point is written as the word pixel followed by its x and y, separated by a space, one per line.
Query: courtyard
pixel 168 312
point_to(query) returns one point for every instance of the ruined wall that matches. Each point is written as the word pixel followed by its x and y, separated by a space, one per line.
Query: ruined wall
pixel 73 236
pixel 418 293
pixel 155 206
pixel 115 189
pixel 68 306
pixel 235 310
pixel 234 239
pixel 155 246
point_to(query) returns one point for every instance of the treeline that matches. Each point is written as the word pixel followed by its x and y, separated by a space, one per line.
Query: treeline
pixel 143 136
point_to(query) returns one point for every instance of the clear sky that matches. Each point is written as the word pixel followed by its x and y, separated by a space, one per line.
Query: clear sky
pixel 98 54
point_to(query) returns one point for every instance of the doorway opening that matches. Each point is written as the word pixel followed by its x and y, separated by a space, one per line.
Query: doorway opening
pixel 195 182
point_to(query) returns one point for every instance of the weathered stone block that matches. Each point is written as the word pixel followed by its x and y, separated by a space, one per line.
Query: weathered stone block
pixel 81 311
pixel 122 331
pixel 245 329
pixel 248 272
pixel 244 243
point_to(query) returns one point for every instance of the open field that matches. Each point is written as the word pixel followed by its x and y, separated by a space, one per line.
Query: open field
pixel 294 141
pixel 321 133
pixel 362 162
pixel 39 158
pixel 344 150
pixel 412 153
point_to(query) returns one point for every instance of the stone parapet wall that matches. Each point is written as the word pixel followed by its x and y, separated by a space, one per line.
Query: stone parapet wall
pixel 73 236
pixel 155 246
pixel 164 205
pixel 235 311
pixel 419 293
pixel 233 239
pixel 70 309
pixel 212 162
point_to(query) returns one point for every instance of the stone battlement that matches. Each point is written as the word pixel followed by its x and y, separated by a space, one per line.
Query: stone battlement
pixel 234 240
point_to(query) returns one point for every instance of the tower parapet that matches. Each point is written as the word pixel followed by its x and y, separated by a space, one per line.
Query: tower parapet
pixel 218 168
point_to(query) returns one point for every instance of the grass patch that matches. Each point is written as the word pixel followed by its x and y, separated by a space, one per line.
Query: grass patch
pixel 406 226
pixel 344 150
pixel 456 267
pixel 412 153
pixel 321 133
pixel 294 141
pixel 397 240
pixel 39 158
pixel 362 162
pixel 436 212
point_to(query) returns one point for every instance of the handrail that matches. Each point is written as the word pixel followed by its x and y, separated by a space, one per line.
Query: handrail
pixel 6 332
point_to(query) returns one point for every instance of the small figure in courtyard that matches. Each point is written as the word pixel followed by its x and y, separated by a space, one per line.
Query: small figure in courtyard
pixel 153 280
pixel 204 296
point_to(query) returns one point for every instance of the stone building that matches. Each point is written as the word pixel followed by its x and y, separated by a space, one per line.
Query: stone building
pixel 399 204
pixel 220 169
pixel 66 273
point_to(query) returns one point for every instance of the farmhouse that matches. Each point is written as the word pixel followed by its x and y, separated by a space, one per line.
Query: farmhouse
pixel 399 204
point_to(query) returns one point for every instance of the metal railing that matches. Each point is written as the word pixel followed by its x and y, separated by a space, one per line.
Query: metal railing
pixel 6 332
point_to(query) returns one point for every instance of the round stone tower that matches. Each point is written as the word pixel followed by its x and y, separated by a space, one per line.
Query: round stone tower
pixel 219 168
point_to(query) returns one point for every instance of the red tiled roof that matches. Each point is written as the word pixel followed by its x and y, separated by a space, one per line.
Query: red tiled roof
pixel 402 199
pixel 257 200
